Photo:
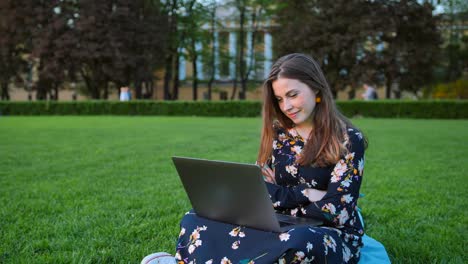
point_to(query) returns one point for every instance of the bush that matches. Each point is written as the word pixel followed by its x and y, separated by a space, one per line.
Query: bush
pixel 454 109
pixel 454 90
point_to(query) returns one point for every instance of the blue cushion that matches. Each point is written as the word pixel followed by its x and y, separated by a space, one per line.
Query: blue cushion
pixel 373 252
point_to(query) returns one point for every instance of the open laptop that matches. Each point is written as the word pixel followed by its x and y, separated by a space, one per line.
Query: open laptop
pixel 233 193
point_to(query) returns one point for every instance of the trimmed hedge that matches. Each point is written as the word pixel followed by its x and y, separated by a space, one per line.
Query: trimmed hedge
pixel 452 109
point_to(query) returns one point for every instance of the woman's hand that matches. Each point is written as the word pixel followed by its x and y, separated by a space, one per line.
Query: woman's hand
pixel 314 195
pixel 268 174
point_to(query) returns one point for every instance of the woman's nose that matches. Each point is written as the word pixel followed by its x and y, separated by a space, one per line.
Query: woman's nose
pixel 286 105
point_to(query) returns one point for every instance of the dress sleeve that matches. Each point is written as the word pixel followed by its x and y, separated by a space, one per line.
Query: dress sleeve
pixel 338 206
pixel 287 197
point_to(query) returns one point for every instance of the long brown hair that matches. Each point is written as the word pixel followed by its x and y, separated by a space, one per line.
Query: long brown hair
pixel 325 143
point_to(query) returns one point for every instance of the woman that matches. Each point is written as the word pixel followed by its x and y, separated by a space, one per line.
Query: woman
pixel 313 160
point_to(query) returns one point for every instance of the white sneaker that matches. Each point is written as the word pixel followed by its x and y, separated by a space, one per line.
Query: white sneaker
pixel 159 258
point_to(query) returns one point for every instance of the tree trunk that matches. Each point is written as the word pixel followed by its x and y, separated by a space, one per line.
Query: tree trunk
pixel 241 54
pixel 5 92
pixel 388 87
pixel 195 73
pixel 167 78
pixel 176 83
pixel 106 91
pixel 56 92
pixel 213 51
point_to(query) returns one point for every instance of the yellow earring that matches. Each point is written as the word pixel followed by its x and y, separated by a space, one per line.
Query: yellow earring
pixel 318 99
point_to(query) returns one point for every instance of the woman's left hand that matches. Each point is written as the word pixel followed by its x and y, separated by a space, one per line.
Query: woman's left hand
pixel 268 175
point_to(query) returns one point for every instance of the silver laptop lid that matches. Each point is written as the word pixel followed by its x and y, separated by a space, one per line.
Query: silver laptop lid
pixel 229 192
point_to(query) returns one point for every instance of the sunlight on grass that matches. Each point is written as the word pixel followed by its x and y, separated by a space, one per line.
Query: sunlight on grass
pixel 103 189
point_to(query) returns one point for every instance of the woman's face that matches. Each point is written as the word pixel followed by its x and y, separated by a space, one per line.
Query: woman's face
pixel 295 99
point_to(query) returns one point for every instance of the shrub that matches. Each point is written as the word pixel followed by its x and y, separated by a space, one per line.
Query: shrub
pixel 454 109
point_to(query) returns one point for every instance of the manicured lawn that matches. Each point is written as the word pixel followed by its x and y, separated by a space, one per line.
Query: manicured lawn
pixel 104 190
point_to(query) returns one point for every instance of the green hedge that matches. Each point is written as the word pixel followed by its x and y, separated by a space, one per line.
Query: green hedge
pixel 453 109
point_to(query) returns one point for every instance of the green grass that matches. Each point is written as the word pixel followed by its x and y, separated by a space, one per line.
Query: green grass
pixel 104 190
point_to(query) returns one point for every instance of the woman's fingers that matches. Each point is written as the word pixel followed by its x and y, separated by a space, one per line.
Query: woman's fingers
pixel 269 175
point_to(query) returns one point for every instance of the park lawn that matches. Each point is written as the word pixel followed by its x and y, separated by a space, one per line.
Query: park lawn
pixel 104 190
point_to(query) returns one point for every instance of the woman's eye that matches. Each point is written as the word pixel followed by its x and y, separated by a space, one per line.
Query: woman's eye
pixel 293 95
pixel 279 99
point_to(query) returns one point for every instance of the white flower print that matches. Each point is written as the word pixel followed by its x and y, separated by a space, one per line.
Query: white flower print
pixel 276 204
pixel 297 149
pixel 329 242
pixel 347 198
pixel 294 211
pixel 191 249
pixel 282 137
pixel 291 169
pixel 361 165
pixel 349 156
pixel 241 234
pixel 195 235
pixel 225 261
pixel 281 261
pixel 340 168
pixel 209 262
pixel 284 236
pixel 235 245
pixel 359 135
pixel 346 182
pixel 309 246
pixel 303 210
pixel 346 253
pixel 182 232
pixel 293 132
pixel 194 239
pixel 275 144
pixel 198 243
pixel 313 182
pixel 343 216
pixel 300 254
pixel 234 232
pixel 177 256
pixel 330 208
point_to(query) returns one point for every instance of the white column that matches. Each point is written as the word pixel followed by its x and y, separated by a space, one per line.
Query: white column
pixel 268 53
pixel 198 49
pixel 216 55
pixel 182 73
pixel 249 59
pixel 232 54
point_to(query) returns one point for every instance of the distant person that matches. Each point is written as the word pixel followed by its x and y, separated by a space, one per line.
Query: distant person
pixel 369 93
pixel 125 94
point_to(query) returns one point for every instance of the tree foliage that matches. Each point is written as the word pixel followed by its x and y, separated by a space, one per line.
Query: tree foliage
pixel 392 41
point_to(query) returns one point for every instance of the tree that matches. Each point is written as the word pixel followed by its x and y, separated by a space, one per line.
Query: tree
pixel 380 40
pixel 331 31
pixel 15 25
pixel 411 42
pixel 212 7
pixel 191 23
pixel 171 56
pixel 251 14
pixel 118 41
pixel 54 39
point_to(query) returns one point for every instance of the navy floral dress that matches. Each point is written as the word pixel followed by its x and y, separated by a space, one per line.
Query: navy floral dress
pixel 337 241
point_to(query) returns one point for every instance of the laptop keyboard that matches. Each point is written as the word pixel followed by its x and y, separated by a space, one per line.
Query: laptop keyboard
pixel 287 220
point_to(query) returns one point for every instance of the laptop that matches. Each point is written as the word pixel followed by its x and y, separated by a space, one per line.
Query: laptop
pixel 233 193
